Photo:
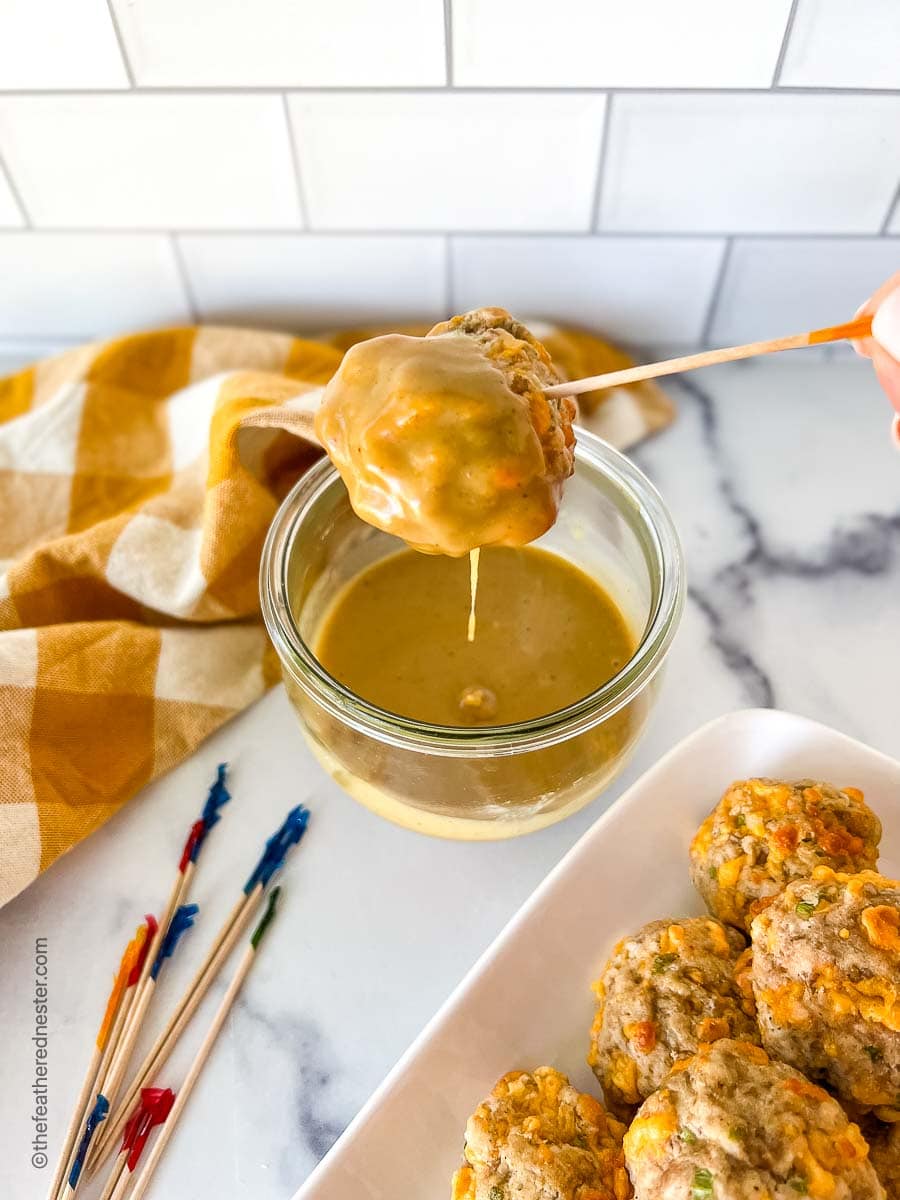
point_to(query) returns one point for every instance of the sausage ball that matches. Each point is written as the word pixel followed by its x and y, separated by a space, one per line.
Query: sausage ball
pixel 733 1124
pixel 537 1138
pixel 449 441
pixel 884 1151
pixel 826 974
pixel 764 832
pixel 665 990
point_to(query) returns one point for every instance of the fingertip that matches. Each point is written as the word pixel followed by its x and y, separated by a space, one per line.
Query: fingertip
pixel 888 372
pixel 886 324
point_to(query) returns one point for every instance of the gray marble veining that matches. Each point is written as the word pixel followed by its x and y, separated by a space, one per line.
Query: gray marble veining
pixel 786 490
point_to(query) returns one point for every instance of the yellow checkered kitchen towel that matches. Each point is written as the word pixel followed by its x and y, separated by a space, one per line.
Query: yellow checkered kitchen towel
pixel 137 481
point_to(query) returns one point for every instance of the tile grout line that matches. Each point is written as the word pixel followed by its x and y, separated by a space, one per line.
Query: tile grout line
pixel 126 62
pixel 716 294
pixel 38 340
pixel 18 199
pixel 782 52
pixel 893 207
pixel 448 42
pixel 437 89
pixel 661 235
pixel 295 164
pixel 42 345
pixel 185 277
pixel 596 200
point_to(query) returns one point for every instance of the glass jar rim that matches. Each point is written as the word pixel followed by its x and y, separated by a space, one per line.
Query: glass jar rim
pixel 637 499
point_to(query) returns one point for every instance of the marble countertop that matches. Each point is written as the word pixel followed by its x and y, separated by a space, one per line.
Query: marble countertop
pixel 786 490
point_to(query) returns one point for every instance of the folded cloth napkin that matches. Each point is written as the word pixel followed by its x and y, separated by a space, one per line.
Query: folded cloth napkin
pixel 138 478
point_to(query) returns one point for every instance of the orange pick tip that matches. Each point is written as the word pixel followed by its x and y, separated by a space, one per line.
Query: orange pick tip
pixel 126 966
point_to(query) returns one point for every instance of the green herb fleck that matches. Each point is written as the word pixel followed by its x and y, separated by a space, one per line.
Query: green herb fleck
pixel 798 1183
pixel 662 961
pixel 687 1136
pixel 874 1053
pixel 580 1141
pixel 737 1133
pixel 496 1192
pixel 740 820
pixel 714 872
pixel 806 908
pixel 702 1187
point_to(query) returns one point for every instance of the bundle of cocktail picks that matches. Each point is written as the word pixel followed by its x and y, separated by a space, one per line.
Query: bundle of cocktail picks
pixel 100 1118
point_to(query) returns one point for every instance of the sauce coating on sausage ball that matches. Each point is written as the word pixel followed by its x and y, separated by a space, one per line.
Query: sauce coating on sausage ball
pixel 449 441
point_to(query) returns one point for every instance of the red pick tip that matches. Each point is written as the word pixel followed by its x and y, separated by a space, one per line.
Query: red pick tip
pixel 163 1107
pixel 131 1127
pixel 197 830
pixel 150 1097
pixel 156 1104
pixel 138 967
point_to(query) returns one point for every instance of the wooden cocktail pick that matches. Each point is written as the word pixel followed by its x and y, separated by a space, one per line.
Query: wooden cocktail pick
pixel 860 327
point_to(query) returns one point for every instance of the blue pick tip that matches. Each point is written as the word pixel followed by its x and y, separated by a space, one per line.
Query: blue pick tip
pixel 218 795
pixel 98 1113
pixel 277 846
pixel 179 925
pixel 295 824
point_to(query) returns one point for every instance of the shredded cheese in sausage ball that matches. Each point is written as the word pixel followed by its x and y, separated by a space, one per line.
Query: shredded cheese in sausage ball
pixel 733 1124
pixel 538 1138
pixel 826 974
pixel 765 832
pixel 670 987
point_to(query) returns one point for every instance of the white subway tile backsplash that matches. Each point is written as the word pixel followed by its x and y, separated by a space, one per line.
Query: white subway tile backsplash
pixel 654 43
pixel 304 282
pixel 777 286
pixel 638 290
pixel 10 216
pixel 299 43
pixel 448 161
pixel 751 163
pixel 59 44
pixel 836 44
pixel 85 285
pixel 151 161
pixel 302 165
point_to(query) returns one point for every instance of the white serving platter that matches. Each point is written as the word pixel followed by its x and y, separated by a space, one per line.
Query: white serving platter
pixel 528 1002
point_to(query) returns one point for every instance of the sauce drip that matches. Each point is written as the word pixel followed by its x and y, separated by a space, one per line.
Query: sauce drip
pixel 474 556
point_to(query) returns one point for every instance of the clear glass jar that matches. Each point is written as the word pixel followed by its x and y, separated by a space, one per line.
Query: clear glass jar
pixel 484 782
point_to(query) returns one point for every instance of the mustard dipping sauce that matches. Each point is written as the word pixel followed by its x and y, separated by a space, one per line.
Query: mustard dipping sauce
pixel 547 636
